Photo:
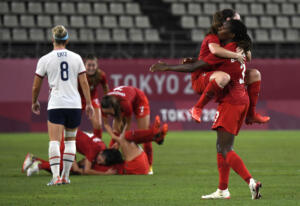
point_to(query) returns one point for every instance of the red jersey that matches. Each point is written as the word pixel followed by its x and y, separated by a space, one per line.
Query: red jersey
pixel 103 168
pixel 89 146
pixel 98 78
pixel 130 99
pixel 204 52
pixel 235 92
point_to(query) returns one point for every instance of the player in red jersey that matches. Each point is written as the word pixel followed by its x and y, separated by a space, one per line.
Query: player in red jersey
pixel 121 103
pixel 95 78
pixel 89 146
pixel 101 161
pixel 211 83
pixel 135 159
pixel 232 109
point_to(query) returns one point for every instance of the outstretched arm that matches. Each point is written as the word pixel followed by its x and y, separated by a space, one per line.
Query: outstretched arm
pixel 186 68
pixel 89 171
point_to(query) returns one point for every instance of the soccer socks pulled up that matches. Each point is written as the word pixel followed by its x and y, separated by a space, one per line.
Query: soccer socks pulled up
pixel 253 92
pixel 68 158
pixel 98 133
pixel 237 164
pixel 54 158
pixel 211 90
pixel 140 136
pixel 224 171
pixel 44 165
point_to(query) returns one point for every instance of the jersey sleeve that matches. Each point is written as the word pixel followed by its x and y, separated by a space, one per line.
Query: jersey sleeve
pixel 211 59
pixel 40 68
pixel 212 38
pixel 81 66
pixel 126 108
pixel 92 153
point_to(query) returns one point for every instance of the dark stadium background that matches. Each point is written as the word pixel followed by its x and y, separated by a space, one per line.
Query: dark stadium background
pixel 130 35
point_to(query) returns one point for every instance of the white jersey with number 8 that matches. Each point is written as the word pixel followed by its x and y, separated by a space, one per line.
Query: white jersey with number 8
pixel 62 68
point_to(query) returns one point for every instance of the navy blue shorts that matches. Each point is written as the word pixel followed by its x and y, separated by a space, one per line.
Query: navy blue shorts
pixel 70 118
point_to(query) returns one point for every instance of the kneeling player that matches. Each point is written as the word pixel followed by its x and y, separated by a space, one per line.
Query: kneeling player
pixel 135 159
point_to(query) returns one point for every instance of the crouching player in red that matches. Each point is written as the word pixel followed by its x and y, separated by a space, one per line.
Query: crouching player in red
pixel 135 159
pixel 89 146
pixel 121 103
pixel 95 76
pixel 94 150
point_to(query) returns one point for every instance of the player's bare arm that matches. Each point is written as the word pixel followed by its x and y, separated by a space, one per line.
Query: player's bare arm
pixel 37 84
pixel 189 60
pixel 89 171
pixel 86 92
pixel 219 51
pixel 186 68
pixel 76 168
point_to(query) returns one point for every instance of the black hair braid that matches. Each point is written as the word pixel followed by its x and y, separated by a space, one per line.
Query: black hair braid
pixel 241 37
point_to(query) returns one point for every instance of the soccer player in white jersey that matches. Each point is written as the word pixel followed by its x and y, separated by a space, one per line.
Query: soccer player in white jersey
pixel 63 69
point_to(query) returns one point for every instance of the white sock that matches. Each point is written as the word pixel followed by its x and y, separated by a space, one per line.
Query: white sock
pixel 68 158
pixel 251 181
pixel 54 157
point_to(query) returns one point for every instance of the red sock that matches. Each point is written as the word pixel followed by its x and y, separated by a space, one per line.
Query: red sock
pixel 140 136
pixel 253 92
pixel 211 90
pixel 149 152
pixel 98 133
pixel 44 165
pixel 237 164
pixel 224 171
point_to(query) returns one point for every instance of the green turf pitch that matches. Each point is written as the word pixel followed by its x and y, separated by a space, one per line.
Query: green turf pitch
pixel 184 169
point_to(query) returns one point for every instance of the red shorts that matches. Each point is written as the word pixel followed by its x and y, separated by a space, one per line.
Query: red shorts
pixel 230 117
pixel 201 82
pixel 142 108
pixel 95 103
pixel 137 166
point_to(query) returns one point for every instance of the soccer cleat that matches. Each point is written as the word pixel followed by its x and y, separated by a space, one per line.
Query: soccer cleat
pixel 27 162
pixel 219 194
pixel 257 118
pixel 156 124
pixel 159 139
pixel 196 113
pixel 254 189
pixel 150 171
pixel 33 169
pixel 55 181
pixel 65 181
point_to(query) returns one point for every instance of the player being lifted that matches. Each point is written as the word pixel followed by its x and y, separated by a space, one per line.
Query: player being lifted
pixel 210 83
pixel 232 109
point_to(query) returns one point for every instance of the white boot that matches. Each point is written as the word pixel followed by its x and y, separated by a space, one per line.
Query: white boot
pixel 254 189
pixel 219 194
pixel 33 169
